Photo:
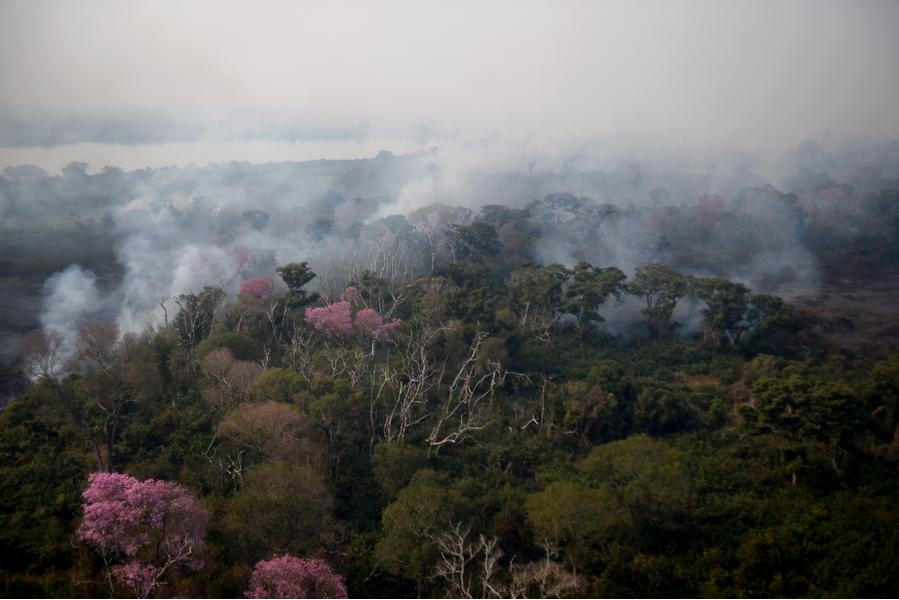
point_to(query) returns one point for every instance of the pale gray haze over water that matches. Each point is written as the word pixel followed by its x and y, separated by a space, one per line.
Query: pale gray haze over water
pixel 555 76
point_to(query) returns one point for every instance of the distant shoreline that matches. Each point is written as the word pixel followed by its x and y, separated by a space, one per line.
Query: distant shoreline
pixel 131 157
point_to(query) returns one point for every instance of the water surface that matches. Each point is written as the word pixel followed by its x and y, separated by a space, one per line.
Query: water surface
pixel 178 154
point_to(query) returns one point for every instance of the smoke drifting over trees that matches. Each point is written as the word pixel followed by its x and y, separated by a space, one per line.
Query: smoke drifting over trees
pixel 178 230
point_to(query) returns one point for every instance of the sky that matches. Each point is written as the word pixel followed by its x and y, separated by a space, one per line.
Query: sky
pixel 740 75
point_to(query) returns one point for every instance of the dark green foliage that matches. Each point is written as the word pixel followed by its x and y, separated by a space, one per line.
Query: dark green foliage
pixel 799 404
pixel 43 468
pixel 422 510
pixel 476 242
pixel 280 385
pixel 773 326
pixel 662 409
pixel 660 287
pixel 280 508
pixel 591 286
pixel 242 346
pixel 734 463
pixel 536 295
pixel 295 276
pixel 726 306
pixel 881 393
pixel 395 464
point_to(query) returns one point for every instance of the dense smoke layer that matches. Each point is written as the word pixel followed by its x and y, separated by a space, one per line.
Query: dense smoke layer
pixel 175 231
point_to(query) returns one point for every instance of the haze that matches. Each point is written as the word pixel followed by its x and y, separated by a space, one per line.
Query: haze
pixel 702 74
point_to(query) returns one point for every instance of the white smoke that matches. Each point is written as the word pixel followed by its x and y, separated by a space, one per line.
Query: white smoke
pixel 70 298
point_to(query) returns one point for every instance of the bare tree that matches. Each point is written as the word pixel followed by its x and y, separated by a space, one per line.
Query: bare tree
pixel 409 386
pixel 230 466
pixel 383 253
pixel 459 567
pixel 351 364
pixel 39 352
pixel 545 578
pixel 196 317
pixel 299 349
pixel 431 221
pixel 471 569
pixel 474 381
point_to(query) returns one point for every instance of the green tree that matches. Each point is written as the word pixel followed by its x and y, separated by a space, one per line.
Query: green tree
pixel 881 393
pixel 422 510
pixel 580 520
pixel 805 408
pixel 282 507
pixel 772 326
pixel 280 385
pixel 589 287
pixel 476 242
pixel 726 306
pixel 296 275
pixel 536 296
pixel 660 287
pixel 649 478
pixel 43 466
pixel 594 414
pixel 395 463
pixel 285 317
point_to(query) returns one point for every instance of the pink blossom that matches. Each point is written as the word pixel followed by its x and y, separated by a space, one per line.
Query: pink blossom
pixel 291 577
pixel 261 287
pixel 138 577
pixel 386 331
pixel 371 324
pixel 333 319
pixel 368 321
pixel 147 523
pixel 337 319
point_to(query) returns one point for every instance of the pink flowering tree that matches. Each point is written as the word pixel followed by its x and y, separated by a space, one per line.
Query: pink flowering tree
pixel 143 530
pixel 339 320
pixel 332 319
pixel 260 287
pixel 373 326
pixel 291 577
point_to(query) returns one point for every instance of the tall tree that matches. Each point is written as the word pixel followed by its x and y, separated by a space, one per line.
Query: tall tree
pixel 660 287
pixel 536 297
pixel 281 315
pixel 589 287
pixel 476 242
pixel 726 309
pixel 296 276
pixel 196 319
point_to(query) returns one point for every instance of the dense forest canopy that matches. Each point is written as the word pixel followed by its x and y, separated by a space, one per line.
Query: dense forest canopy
pixel 387 377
